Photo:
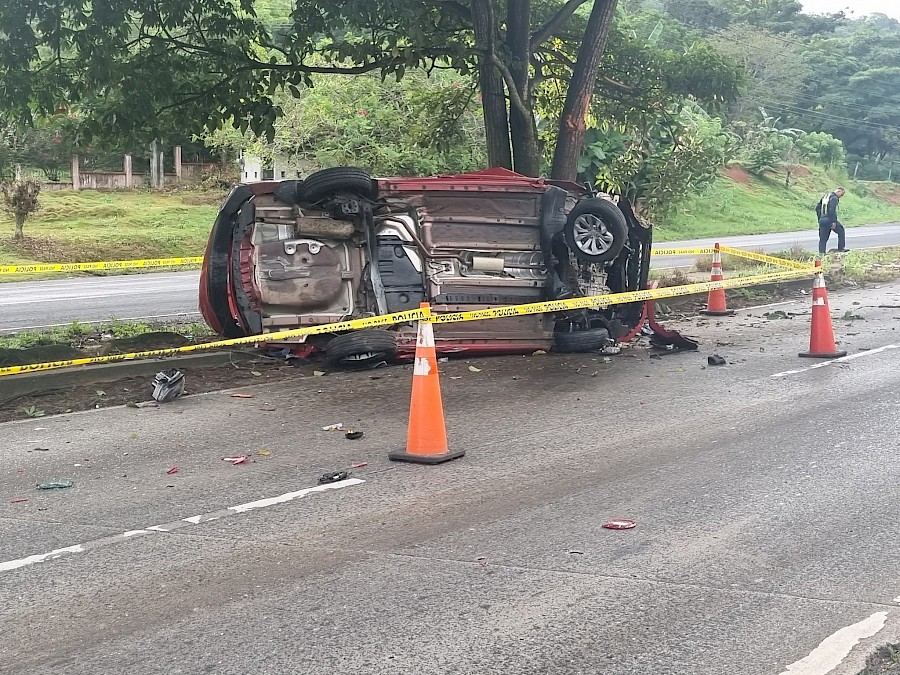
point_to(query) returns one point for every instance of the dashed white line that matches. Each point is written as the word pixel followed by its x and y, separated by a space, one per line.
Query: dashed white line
pixel 843 359
pixel 836 647
pixel 41 557
pixel 175 525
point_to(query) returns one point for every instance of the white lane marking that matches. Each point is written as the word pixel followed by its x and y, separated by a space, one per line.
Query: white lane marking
pixel 177 524
pixel 843 359
pixel 837 647
pixel 41 557
pixel 262 503
pixel 134 533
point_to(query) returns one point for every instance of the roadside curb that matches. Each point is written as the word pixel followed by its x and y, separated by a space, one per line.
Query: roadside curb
pixel 15 386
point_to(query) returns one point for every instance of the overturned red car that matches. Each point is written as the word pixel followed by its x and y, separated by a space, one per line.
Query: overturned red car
pixel 342 245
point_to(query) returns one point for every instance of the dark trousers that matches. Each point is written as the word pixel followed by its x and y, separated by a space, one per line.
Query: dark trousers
pixel 825 233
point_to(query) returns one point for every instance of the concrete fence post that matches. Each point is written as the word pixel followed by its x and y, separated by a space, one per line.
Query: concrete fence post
pixel 76 173
pixel 129 174
pixel 178 162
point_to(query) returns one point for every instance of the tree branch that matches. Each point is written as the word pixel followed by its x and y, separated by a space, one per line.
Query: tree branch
pixel 556 21
pixel 514 97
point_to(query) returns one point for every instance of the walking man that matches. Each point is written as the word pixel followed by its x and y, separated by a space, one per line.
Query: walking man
pixel 826 211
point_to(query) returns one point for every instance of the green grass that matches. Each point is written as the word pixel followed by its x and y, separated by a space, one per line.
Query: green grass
pixel 764 205
pixel 90 225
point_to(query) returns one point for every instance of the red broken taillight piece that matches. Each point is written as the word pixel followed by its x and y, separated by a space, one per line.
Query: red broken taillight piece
pixel 620 524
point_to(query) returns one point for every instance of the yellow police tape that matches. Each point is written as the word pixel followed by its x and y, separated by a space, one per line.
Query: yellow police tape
pixel 93 266
pixel 424 314
pixel 682 251
pixel 620 298
pixel 355 324
pixel 763 258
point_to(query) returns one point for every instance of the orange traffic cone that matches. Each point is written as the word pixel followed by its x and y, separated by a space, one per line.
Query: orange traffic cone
pixel 426 440
pixel 821 336
pixel 715 303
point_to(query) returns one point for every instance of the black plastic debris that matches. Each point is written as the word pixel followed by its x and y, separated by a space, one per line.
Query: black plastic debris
pixel 353 435
pixel 168 385
pixel 335 477
pixel 715 360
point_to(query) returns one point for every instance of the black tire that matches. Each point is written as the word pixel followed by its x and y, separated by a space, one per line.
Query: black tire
pixel 578 341
pixel 362 348
pixel 596 231
pixel 327 182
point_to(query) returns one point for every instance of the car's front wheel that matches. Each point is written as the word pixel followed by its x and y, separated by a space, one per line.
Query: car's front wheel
pixel 596 231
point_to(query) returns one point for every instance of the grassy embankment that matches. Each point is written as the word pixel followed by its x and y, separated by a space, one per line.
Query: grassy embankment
pixel 738 203
pixel 89 226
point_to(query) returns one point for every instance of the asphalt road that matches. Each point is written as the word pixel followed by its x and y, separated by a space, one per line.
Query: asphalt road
pixel 868 236
pixel 34 304
pixel 764 491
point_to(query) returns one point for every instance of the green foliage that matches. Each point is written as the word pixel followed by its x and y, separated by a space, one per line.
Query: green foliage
pixel 421 125
pixel 19 198
pixel 661 164
pixel 823 148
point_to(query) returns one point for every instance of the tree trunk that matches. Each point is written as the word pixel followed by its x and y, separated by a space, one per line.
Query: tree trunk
pixel 20 227
pixel 523 132
pixel 570 141
pixel 493 99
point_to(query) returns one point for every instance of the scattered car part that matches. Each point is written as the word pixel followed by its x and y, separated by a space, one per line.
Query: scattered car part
pixel 56 485
pixel 333 477
pixel 620 524
pixel 353 435
pixel 715 360
pixel 168 385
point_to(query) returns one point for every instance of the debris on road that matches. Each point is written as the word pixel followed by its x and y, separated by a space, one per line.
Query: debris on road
pixel 716 360
pixel 353 435
pixel 361 465
pixel 243 459
pixel 56 485
pixel 334 477
pixel 334 427
pixel 264 452
pixel 575 551
pixel 17 501
pixel 174 469
pixel 239 395
pixel 473 369
pixel 539 352
pixel 168 385
pixel 620 524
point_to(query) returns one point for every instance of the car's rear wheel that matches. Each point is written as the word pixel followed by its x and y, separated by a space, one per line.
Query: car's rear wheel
pixel 578 341
pixel 361 349
pixel 596 231
pixel 327 182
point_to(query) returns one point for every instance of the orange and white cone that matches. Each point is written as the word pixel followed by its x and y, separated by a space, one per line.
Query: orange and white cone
pixel 426 439
pixel 821 335
pixel 715 303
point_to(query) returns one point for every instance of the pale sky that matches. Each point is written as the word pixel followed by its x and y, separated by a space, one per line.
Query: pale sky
pixel 853 7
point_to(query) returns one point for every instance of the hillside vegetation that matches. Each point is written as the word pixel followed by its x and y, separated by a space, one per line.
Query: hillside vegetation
pixel 739 203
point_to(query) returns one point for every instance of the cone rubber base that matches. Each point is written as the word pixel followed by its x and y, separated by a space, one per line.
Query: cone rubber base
pixel 832 355
pixel 709 312
pixel 403 456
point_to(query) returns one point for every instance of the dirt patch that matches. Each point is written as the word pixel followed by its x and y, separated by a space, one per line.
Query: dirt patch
pixel 801 171
pixel 887 192
pixel 738 174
